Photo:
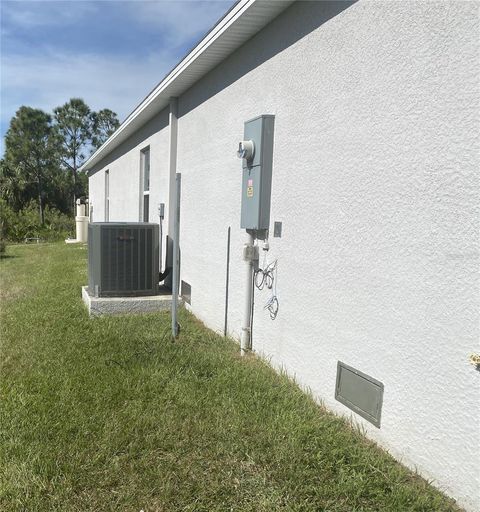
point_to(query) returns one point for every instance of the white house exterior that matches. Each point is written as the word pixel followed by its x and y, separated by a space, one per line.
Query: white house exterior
pixel 375 181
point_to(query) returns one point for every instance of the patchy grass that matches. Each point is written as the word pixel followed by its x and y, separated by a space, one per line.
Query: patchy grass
pixel 111 414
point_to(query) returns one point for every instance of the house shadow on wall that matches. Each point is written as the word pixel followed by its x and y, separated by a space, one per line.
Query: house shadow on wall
pixel 152 126
pixel 293 24
pixel 296 22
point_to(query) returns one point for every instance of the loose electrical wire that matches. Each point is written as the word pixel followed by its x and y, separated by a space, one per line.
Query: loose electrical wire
pixel 267 278
pixel 272 307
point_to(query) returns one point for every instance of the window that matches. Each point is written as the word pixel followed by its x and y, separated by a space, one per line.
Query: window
pixel 144 184
pixel 107 196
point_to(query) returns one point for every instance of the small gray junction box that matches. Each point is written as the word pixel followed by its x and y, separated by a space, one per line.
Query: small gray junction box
pixel 257 174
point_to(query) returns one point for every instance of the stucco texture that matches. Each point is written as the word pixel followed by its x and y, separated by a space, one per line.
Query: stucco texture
pixel 123 165
pixel 375 178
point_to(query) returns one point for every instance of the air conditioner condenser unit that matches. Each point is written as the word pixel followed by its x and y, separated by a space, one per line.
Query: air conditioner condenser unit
pixel 123 259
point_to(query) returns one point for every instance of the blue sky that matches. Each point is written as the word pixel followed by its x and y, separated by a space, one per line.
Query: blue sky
pixel 111 53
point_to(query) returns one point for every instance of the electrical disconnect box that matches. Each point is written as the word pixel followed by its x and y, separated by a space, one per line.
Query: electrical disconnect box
pixel 256 151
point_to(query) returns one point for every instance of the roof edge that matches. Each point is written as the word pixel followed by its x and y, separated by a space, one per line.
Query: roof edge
pixel 221 27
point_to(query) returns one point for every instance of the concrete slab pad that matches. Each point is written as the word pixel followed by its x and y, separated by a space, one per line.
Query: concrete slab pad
pixel 123 305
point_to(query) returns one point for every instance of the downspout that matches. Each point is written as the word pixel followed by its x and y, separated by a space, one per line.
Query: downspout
pixel 173 246
pixel 172 171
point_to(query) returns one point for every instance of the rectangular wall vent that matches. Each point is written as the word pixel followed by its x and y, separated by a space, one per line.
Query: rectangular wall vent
pixel 277 229
pixel 359 392
pixel 186 292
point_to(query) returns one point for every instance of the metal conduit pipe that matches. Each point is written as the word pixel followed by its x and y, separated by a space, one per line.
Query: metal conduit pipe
pixel 249 257
pixel 176 257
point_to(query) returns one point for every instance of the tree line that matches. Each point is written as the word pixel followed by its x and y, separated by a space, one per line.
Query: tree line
pixel 43 154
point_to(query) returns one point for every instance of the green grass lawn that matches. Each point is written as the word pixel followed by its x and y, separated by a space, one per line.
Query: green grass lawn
pixel 111 414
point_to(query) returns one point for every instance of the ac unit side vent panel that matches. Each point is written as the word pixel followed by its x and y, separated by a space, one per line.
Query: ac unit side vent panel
pixel 359 392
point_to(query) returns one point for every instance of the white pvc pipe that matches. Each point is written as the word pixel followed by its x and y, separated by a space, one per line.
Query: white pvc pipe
pixel 81 223
pixel 160 244
pixel 245 342
pixel 81 210
pixel 81 228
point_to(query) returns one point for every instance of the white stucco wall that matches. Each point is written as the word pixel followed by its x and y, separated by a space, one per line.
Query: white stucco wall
pixel 123 165
pixel 375 179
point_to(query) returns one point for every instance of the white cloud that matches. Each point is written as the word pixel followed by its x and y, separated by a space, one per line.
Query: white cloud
pixel 29 14
pixel 114 82
pixel 180 20
pixel 48 77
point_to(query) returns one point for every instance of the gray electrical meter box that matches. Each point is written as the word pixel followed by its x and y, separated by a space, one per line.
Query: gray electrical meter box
pixel 256 152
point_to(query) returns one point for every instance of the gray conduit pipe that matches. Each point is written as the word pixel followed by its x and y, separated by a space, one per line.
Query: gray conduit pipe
pixel 249 258
pixel 176 257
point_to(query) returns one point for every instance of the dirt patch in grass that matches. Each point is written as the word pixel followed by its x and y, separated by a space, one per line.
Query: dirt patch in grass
pixel 10 291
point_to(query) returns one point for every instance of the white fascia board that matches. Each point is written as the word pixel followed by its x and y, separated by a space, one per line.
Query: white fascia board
pixel 241 23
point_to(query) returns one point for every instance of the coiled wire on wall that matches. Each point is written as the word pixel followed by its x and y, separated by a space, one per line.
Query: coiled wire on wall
pixel 262 278
pixel 266 277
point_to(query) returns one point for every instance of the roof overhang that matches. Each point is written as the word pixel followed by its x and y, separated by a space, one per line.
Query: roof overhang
pixel 239 24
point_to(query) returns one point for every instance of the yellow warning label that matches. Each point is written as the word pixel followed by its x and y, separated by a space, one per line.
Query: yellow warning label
pixel 249 191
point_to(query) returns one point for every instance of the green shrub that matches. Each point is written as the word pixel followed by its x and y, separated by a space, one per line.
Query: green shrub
pixel 16 226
